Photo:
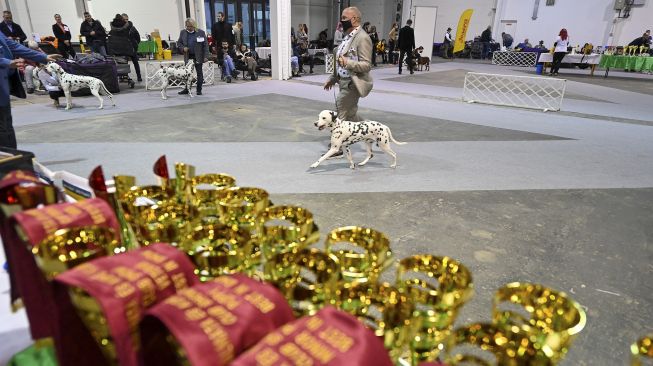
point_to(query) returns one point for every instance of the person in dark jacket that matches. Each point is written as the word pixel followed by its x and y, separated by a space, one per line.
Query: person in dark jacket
pixel 63 36
pixel 486 38
pixel 222 31
pixel 10 83
pixel 194 44
pixel 134 36
pixel 406 44
pixel 95 34
pixel 10 29
pixel 374 36
pixel 120 44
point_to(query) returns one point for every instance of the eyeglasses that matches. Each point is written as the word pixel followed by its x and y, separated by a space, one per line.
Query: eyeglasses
pixel 352 18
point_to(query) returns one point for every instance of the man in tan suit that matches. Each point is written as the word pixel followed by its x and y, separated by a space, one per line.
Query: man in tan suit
pixel 353 63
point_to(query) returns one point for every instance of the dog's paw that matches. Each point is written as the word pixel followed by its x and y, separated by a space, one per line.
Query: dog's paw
pixel 393 166
pixel 352 166
pixel 100 107
pixel 314 165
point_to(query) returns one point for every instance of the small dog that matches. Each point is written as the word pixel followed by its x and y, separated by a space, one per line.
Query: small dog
pixel 424 62
pixel 185 74
pixel 345 133
pixel 70 83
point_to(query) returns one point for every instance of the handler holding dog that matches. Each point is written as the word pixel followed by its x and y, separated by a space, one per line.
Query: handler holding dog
pixel 195 45
pixel 353 63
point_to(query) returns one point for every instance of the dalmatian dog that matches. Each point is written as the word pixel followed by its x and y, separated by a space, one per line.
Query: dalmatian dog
pixel 185 74
pixel 345 133
pixel 70 83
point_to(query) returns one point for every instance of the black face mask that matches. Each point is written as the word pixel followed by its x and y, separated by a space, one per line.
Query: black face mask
pixel 346 24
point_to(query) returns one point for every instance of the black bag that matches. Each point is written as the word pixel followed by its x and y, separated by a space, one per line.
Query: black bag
pixel 16 86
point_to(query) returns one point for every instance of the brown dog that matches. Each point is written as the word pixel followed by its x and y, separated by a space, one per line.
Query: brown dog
pixel 424 62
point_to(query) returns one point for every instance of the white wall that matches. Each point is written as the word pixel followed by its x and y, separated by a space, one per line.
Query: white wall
pixel 375 12
pixel 37 15
pixel 585 20
pixel 449 12
pixel 316 14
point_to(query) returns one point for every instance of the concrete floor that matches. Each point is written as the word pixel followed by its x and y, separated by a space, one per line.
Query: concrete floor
pixel 564 199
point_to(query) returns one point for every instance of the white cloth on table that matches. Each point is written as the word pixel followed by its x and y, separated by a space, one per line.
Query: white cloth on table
pixel 592 59
pixel 264 52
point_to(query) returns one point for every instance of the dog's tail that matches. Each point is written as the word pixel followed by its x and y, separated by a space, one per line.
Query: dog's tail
pixel 105 90
pixel 393 139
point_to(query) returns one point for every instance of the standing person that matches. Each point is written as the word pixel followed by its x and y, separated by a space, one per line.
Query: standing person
pixel 561 44
pixel 95 34
pixel 392 42
pixel 338 35
pixel 10 29
pixel 10 82
pixel 375 39
pixel 486 38
pixel 506 39
pixel 238 34
pixel 222 31
pixel 63 36
pixel 120 44
pixel 446 44
pixel 406 44
pixel 193 44
pixel 352 71
pixel 134 36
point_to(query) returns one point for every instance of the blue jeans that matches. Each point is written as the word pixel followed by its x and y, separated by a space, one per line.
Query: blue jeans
pixel 99 48
pixel 486 50
pixel 228 64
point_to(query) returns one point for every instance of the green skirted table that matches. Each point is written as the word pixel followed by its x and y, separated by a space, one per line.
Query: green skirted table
pixel 147 47
pixel 628 63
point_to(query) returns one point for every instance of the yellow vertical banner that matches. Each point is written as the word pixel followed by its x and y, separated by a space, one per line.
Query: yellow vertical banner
pixel 461 32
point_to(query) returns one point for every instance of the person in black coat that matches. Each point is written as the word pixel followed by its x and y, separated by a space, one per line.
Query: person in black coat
pixel 120 44
pixel 486 38
pixel 406 44
pixel 134 36
pixel 10 29
pixel 222 31
pixel 96 35
pixel 63 36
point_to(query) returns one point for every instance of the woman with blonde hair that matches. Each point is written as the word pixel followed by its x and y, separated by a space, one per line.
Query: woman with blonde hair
pixel 302 35
pixel 238 34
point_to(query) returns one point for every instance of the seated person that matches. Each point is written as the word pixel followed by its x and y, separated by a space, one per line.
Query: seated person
pixel 640 41
pixel 541 46
pixel 29 68
pixel 246 61
pixel 380 50
pixel 323 41
pixel 51 85
pixel 525 44
pixel 226 56
pixel 294 65
pixel 301 52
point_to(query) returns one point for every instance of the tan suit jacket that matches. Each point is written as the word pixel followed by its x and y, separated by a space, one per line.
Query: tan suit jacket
pixel 361 46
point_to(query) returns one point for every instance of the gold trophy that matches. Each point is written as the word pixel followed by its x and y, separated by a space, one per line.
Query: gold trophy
pixel 643 348
pixel 308 278
pixel 67 248
pixel 438 287
pixel 217 249
pixel 242 206
pixel 381 307
pixel 366 254
pixel 511 346
pixel 284 229
pixel 204 189
pixel 554 319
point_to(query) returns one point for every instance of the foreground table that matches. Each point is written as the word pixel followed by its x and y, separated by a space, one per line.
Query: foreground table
pixel 591 60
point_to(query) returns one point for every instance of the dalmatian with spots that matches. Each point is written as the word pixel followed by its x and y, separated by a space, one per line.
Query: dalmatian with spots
pixel 70 83
pixel 185 74
pixel 345 133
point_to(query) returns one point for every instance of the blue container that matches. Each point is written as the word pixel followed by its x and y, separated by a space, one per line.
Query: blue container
pixel 539 68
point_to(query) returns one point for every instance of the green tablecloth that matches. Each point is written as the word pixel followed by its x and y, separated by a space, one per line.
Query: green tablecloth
pixel 35 356
pixel 147 47
pixel 630 63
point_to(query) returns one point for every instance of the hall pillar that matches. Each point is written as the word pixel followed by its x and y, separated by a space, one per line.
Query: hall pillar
pixel 280 33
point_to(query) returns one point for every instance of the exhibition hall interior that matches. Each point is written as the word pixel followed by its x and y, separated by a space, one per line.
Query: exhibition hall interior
pixel 326 182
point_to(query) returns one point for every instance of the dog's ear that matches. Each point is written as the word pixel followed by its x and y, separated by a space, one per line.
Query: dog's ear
pixel 333 115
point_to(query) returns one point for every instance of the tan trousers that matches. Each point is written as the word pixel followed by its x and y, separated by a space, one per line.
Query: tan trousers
pixel 347 101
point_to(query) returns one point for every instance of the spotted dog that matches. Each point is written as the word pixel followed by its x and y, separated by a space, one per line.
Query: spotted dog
pixel 345 133
pixel 70 83
pixel 185 74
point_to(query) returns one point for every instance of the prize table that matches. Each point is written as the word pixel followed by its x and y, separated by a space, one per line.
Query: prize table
pixel 627 63
pixel 578 59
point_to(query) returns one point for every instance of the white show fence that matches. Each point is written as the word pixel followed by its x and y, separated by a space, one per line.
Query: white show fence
pixel 508 58
pixel 154 82
pixel 515 91
pixel 329 63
